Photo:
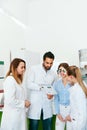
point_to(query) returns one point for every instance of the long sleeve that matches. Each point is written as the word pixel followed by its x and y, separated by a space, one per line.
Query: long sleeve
pixel 78 105
pixel 56 104
pixel 62 97
pixel 31 84
pixel 10 92
pixel 56 99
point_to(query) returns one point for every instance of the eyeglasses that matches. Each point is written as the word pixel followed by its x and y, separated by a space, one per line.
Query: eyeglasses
pixel 61 70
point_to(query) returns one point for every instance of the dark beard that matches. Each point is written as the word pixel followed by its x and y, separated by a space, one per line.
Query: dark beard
pixel 46 68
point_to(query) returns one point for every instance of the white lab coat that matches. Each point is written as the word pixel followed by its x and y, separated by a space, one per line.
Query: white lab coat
pixel 38 98
pixel 78 108
pixel 14 115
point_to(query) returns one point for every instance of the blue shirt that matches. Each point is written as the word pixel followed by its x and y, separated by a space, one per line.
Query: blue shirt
pixel 63 96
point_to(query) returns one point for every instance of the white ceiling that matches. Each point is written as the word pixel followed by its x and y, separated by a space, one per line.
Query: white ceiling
pixel 16 8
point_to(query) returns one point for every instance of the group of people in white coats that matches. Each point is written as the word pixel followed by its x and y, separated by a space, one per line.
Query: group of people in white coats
pixel 69 98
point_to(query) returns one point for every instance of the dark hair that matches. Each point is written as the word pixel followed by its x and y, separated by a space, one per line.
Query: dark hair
pixel 48 54
pixel 64 65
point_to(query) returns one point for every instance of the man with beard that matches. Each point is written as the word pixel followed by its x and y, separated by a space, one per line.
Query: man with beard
pixel 40 80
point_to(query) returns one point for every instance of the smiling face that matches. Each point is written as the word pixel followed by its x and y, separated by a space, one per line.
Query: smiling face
pixel 62 72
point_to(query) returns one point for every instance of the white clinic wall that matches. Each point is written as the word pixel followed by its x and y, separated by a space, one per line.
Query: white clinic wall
pixel 11 34
pixel 5 56
pixel 58 26
pixel 31 58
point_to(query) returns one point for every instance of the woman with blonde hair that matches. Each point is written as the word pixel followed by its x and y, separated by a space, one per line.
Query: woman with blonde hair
pixel 15 103
pixel 78 97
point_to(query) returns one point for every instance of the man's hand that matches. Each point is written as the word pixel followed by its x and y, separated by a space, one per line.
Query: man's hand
pixel 49 96
pixel 27 103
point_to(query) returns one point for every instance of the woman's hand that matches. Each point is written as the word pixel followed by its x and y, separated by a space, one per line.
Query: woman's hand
pixel 27 103
pixel 68 118
pixel 60 118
